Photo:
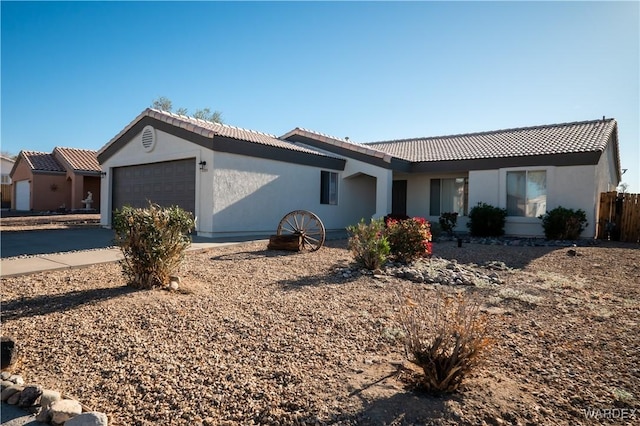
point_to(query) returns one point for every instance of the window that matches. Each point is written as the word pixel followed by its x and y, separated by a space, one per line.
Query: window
pixel 449 196
pixel 328 188
pixel 6 179
pixel 527 193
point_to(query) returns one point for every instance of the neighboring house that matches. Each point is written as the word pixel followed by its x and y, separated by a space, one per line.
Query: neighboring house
pixel 58 181
pixel 239 181
pixel 6 164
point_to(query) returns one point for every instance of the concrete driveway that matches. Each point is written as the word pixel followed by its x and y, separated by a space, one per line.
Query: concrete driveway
pixel 47 241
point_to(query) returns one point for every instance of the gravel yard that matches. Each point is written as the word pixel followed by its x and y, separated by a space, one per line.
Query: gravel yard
pixel 270 337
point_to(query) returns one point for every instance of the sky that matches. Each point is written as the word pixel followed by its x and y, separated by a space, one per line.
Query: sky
pixel 73 74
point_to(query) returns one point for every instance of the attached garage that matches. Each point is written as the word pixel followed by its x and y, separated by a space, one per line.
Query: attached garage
pixel 23 194
pixel 167 183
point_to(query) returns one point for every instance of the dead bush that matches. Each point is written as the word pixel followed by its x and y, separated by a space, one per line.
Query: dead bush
pixel 446 335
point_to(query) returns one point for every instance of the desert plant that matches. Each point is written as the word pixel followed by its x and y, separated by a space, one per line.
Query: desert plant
pixel 446 336
pixel 409 239
pixel 368 243
pixel 563 224
pixel 153 241
pixel 486 220
pixel 448 222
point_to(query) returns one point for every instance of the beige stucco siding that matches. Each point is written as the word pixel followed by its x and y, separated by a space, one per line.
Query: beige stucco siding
pixel 251 195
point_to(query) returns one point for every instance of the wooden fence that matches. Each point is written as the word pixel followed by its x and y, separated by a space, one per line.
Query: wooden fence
pixel 5 190
pixel 619 217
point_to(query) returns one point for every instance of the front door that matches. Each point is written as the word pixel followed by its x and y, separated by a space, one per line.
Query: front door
pixel 399 197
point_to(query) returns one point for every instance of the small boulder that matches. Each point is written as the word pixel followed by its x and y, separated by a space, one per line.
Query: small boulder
pixel 8 351
pixel 29 396
pixel 63 410
pixel 13 399
pixel 17 379
pixel 48 397
pixel 91 418
pixel 8 392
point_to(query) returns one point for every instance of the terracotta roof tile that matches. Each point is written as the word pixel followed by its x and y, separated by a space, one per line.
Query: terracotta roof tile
pixel 564 138
pixel 339 142
pixel 209 129
pixel 79 159
pixel 42 161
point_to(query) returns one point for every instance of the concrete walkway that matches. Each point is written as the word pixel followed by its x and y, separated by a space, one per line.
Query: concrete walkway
pixel 46 262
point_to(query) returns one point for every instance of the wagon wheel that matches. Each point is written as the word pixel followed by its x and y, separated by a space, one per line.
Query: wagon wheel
pixel 306 224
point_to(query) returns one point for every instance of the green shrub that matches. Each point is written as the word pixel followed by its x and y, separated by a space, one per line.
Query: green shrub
pixel 409 239
pixel 486 220
pixel 448 222
pixel 446 336
pixel 563 224
pixel 369 244
pixel 436 231
pixel 153 241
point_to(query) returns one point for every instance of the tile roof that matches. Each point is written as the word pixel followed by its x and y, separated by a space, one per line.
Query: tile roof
pixel 79 159
pixel 563 138
pixel 42 161
pixel 339 142
pixel 209 130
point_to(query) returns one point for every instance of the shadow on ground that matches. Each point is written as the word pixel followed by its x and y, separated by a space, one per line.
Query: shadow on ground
pixel 25 307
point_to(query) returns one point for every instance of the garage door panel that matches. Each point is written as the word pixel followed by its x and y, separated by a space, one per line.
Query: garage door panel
pixel 166 184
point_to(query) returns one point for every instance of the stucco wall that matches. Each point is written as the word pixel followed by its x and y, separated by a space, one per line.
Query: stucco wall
pixel 43 197
pixel 571 187
pixel 252 195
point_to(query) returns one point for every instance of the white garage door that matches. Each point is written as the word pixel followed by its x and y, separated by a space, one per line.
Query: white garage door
pixel 170 183
pixel 23 193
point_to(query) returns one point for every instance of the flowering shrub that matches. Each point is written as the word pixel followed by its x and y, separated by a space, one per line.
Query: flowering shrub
pixel 409 239
pixel 369 244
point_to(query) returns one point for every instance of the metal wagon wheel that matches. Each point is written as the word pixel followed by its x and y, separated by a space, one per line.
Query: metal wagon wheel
pixel 306 224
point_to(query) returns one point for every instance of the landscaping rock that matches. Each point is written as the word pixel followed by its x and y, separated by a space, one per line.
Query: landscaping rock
pixel 63 410
pixel 13 399
pixel 29 396
pixel 48 397
pixel 10 391
pixel 5 384
pixel 8 351
pixel 18 380
pixel 92 418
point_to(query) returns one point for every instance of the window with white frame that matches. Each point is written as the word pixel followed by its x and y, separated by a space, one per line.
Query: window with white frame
pixel 6 179
pixel 449 196
pixel 328 187
pixel 527 193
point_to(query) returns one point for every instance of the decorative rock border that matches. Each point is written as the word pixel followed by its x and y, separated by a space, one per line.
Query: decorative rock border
pixel 434 271
pixel 49 405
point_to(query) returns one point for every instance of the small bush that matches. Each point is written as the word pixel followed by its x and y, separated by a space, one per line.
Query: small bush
pixel 563 224
pixel 446 336
pixel 436 231
pixel 486 220
pixel 409 239
pixel 448 222
pixel 153 241
pixel 369 244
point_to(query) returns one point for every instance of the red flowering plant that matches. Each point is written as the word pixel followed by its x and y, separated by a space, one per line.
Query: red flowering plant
pixel 410 239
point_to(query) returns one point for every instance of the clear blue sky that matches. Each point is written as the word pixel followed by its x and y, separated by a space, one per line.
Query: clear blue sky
pixel 74 74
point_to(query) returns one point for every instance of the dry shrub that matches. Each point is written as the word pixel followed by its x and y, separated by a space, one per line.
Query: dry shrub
pixel 446 335
pixel 153 241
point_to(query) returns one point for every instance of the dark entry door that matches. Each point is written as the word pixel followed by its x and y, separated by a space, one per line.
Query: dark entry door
pixel 399 197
